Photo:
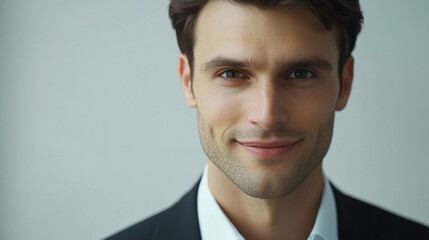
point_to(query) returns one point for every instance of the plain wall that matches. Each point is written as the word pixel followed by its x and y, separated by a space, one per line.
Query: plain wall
pixel 95 135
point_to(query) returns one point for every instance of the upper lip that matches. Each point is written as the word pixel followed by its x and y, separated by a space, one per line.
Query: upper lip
pixel 264 144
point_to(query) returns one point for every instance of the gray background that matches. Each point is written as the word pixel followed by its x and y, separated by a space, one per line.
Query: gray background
pixel 95 134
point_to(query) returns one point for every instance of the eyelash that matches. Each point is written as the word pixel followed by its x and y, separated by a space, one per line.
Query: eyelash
pixel 242 75
pixel 311 73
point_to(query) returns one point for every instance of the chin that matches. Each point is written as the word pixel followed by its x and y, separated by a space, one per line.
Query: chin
pixel 268 183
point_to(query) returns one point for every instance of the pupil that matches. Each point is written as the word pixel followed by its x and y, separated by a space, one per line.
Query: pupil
pixel 232 74
pixel 300 73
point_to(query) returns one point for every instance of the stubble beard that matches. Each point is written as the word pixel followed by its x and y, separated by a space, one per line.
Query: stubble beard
pixel 268 187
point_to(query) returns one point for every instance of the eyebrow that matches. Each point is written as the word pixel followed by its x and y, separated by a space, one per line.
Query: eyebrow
pixel 304 63
pixel 220 61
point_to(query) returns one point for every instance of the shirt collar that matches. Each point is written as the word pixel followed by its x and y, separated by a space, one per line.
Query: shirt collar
pixel 325 226
pixel 214 224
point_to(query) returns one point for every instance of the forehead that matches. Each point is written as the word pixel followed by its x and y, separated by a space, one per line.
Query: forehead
pixel 263 34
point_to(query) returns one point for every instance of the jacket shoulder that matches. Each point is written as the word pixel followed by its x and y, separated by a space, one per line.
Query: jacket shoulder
pixel 180 221
pixel 142 230
pixel 365 221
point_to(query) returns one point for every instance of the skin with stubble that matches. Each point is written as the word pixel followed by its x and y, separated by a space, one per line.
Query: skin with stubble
pixel 266 88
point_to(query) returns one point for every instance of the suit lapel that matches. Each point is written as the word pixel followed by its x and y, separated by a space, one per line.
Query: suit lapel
pixel 345 224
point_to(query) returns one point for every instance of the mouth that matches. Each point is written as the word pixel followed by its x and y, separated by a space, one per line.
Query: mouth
pixel 268 149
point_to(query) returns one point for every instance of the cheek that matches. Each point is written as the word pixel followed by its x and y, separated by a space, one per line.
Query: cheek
pixel 219 109
pixel 309 112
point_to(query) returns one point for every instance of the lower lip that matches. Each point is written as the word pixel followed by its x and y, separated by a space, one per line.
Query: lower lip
pixel 268 152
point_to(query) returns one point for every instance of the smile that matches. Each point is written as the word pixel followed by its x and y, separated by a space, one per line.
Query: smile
pixel 268 149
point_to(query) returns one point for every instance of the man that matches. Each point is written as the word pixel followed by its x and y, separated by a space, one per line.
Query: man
pixel 266 78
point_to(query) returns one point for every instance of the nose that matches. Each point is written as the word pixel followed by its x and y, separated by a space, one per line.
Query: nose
pixel 268 105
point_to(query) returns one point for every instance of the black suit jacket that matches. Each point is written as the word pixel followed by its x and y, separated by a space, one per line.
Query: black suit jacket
pixel 356 220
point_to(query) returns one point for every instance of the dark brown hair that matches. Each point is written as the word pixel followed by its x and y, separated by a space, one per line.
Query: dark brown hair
pixel 344 15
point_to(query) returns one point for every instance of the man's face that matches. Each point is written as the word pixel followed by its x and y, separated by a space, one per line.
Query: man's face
pixel 266 87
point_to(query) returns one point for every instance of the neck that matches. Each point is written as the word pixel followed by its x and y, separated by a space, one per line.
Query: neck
pixel 288 217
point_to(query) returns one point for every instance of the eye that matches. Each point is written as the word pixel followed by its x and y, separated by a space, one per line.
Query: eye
pixel 301 74
pixel 232 74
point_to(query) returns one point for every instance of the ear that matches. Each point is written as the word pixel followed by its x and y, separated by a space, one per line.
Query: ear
pixel 347 80
pixel 185 80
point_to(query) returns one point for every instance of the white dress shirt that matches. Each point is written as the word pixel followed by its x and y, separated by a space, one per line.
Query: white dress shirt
pixel 215 225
